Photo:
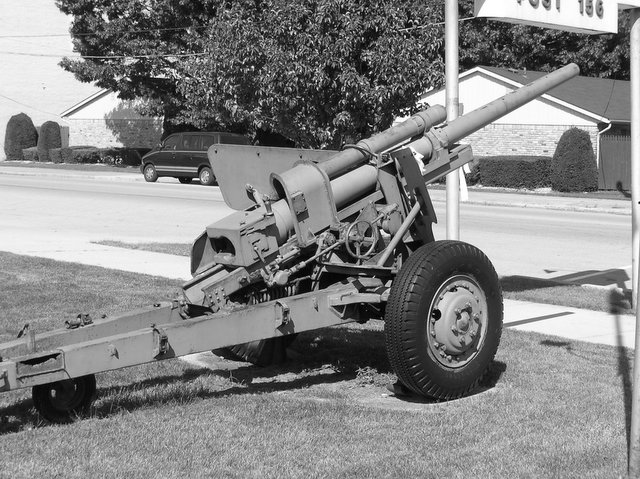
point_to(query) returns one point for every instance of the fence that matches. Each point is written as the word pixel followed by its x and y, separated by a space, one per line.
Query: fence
pixel 614 171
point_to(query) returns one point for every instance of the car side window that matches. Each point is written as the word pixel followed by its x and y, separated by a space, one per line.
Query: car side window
pixel 171 143
pixel 234 140
pixel 191 142
pixel 207 141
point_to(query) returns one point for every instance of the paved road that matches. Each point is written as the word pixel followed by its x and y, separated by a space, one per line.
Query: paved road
pixel 548 243
pixel 519 240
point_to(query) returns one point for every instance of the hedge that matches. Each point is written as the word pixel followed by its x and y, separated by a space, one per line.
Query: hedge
pixel 20 134
pixel 30 154
pixel 89 154
pixel 528 172
pixel 574 163
pixel 49 138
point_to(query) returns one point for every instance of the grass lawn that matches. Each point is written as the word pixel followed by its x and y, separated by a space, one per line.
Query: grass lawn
pixel 550 408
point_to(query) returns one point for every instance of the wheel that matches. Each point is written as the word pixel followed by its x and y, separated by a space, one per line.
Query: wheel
pixel 150 173
pixel 206 176
pixel 443 319
pixel 184 180
pixel 265 352
pixel 64 400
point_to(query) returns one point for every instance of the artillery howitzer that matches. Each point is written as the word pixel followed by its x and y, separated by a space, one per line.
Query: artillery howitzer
pixel 318 239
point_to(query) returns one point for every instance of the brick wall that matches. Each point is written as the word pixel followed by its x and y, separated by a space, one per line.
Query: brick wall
pixel 531 140
pixel 143 133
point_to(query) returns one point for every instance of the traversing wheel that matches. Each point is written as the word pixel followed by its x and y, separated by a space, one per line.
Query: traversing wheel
pixel 65 400
pixel 261 353
pixel 264 352
pixel 361 239
pixel 443 320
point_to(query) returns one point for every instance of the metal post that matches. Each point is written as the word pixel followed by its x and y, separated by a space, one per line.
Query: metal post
pixel 635 148
pixel 452 104
pixel 634 446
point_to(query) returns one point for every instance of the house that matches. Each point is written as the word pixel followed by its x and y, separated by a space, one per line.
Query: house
pixel 597 105
pixel 104 120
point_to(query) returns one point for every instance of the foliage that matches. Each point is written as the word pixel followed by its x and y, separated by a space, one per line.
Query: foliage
pixel 106 156
pixel 49 138
pixel 528 172
pixel 136 35
pixel 499 44
pixel 30 154
pixel 317 71
pixel 20 134
pixel 574 163
pixel 322 72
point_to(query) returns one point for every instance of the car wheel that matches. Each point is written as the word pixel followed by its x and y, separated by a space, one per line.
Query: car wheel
pixel 150 173
pixel 206 176
pixel 184 180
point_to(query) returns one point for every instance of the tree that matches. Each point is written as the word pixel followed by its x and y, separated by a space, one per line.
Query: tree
pixel 133 47
pixel 499 44
pixel 317 71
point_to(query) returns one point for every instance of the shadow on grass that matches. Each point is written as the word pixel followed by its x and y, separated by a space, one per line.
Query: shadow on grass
pixel 617 306
pixel 610 277
pixel 342 354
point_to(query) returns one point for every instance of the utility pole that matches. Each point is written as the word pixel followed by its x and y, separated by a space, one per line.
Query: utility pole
pixel 452 105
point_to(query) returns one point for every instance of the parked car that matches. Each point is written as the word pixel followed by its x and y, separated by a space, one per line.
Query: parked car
pixel 184 156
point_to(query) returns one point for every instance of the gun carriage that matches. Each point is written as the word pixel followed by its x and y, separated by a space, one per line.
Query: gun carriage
pixel 318 238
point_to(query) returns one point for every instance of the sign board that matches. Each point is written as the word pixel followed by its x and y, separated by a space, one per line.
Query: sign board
pixel 581 16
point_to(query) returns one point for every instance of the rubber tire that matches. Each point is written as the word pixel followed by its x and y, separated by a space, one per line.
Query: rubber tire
pixel 407 315
pixel 78 405
pixel 265 352
pixel 206 176
pixel 185 180
pixel 150 174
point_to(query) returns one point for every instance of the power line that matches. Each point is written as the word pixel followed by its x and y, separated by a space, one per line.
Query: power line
pixel 88 34
pixel 105 57
pixel 28 106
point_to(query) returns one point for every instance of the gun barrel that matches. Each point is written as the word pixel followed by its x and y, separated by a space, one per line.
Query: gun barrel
pixel 418 124
pixel 481 117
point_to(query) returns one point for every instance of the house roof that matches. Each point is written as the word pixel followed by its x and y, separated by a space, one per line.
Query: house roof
pixel 602 97
pixel 84 103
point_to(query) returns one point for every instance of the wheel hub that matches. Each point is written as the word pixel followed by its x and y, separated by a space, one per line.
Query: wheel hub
pixel 455 329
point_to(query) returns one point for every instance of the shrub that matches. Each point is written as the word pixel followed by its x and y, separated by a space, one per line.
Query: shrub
pixel 528 172
pixel 574 164
pixel 84 155
pixel 55 155
pixel 49 138
pixel 20 134
pixel 30 154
